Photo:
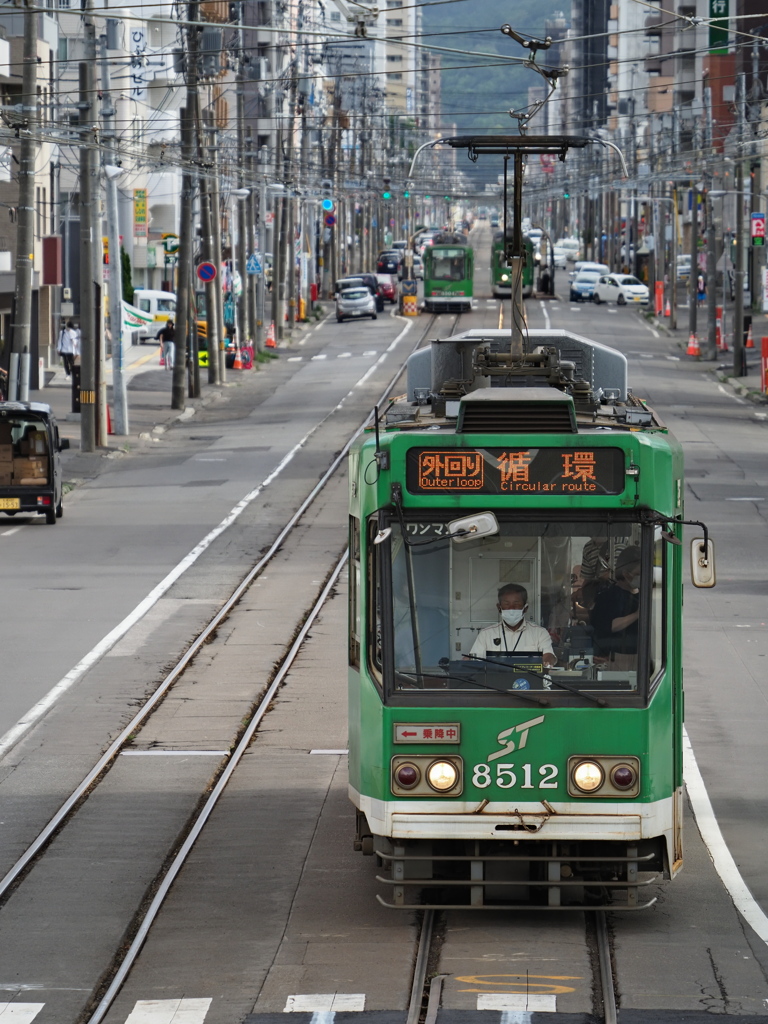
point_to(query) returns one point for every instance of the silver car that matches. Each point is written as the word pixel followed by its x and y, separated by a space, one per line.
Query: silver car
pixel 353 303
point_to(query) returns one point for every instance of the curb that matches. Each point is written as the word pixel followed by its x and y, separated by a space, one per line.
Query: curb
pixel 756 397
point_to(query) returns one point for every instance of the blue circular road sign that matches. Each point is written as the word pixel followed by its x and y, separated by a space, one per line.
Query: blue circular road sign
pixel 206 271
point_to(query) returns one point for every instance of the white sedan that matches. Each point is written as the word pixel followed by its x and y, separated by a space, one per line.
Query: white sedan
pixel 621 289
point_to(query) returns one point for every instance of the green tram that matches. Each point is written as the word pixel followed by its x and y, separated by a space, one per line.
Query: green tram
pixel 498 765
pixel 448 277
pixel 501 274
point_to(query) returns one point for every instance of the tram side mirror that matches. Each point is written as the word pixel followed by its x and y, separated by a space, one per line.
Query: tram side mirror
pixel 483 524
pixel 702 563
pixel 382 535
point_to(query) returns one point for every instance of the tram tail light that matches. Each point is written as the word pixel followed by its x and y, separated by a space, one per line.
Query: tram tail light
pixel 604 776
pixel 427 775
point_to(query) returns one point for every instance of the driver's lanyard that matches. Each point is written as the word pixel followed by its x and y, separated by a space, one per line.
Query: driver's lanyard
pixel 517 641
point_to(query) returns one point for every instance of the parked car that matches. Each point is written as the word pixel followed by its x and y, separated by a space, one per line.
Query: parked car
pixel 388 285
pixel 560 256
pixel 30 467
pixel 683 268
pixel 583 285
pixel 621 289
pixel 161 306
pixel 353 303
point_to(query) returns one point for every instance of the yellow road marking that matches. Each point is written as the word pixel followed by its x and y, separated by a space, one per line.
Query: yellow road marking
pixel 145 359
pixel 521 983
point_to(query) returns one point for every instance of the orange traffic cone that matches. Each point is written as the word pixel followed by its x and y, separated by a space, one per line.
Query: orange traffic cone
pixel 667 309
pixel 238 363
pixel 270 342
pixel 750 341
pixel 693 346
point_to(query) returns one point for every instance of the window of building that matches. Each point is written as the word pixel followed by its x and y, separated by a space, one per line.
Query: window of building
pixel 394 21
pixel 393 58
pixel 335 15
pixel 394 76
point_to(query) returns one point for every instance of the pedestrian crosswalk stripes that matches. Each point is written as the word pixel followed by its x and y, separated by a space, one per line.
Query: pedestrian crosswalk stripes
pixel 168 1011
pixel 19 1013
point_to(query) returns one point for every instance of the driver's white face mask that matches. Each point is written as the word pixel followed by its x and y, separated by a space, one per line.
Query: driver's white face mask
pixel 512 616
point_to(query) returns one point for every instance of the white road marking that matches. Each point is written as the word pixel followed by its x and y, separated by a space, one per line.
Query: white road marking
pixel 329 751
pixel 544 1003
pixel 729 394
pixel 543 305
pixel 613 311
pixel 721 856
pixel 19 1013
pixel 761 415
pixel 43 706
pixel 294 359
pixel 371 352
pixel 330 1002
pixel 322 355
pixel 344 355
pixel 673 359
pixel 169 1011
pixel 745 499
pixel 646 355
pixel 302 341
pixel 7 533
pixel 173 753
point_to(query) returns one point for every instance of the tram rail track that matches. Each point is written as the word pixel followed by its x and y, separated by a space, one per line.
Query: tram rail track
pixel 145 916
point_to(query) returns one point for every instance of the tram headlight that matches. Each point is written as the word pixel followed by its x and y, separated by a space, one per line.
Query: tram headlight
pixel 623 776
pixel 407 776
pixel 505 277
pixel 442 776
pixel 588 776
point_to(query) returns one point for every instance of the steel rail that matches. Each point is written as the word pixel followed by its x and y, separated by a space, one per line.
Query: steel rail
pixel 610 1013
pixel 420 970
pixel 207 808
pixel 143 713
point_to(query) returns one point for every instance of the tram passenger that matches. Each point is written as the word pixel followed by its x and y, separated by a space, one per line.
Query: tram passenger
pixel 513 632
pixel 616 613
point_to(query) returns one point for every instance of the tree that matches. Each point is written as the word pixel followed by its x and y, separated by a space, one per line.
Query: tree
pixel 125 268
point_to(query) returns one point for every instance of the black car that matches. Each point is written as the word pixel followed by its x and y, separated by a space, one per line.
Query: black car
pixel 388 262
pixel 30 468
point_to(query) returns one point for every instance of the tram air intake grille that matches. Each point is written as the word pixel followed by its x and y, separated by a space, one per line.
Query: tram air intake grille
pixel 516 411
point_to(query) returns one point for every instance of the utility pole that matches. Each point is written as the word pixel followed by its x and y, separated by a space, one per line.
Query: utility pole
pixel 185 354
pixel 89 326
pixel 111 171
pixel 693 279
pixel 25 240
pixel 709 214
pixel 211 287
pixel 252 213
pixel 243 302
pixel 214 193
pixel 739 367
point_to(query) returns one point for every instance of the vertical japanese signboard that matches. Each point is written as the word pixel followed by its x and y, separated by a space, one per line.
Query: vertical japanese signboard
pixel 719 13
pixel 758 229
pixel 140 225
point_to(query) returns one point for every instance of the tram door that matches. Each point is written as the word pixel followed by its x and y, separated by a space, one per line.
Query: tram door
pixel 476 577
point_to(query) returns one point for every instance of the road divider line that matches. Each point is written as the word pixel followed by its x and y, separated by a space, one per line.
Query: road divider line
pixel 716 846
pixel 544 311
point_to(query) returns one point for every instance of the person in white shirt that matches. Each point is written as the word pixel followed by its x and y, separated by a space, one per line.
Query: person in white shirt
pixel 513 632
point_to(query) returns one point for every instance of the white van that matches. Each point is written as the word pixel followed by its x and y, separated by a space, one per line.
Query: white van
pixel 162 306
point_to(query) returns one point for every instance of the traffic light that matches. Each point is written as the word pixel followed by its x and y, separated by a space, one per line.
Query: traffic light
pixel 406 194
pixel 566 192
pixel 386 195
pixel 447 199
pixel 328 205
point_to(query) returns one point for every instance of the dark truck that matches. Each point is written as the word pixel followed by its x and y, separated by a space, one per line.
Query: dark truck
pixel 30 468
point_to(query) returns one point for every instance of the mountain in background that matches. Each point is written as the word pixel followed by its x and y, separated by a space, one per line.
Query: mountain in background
pixel 477 99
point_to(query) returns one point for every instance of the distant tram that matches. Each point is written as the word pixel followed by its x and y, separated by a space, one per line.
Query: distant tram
pixel 448 275
pixel 501 274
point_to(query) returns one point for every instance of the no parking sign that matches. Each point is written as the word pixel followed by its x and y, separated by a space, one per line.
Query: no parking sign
pixel 206 271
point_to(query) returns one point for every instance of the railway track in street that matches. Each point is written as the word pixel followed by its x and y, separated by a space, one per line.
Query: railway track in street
pixel 186 828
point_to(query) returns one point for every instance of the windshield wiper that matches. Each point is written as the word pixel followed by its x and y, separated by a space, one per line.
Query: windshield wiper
pixel 474 682
pixel 553 679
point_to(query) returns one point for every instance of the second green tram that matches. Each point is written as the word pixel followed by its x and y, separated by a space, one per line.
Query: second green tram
pixel 449 270
pixel 501 274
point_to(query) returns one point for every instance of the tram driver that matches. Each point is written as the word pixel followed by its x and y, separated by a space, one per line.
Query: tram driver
pixel 513 632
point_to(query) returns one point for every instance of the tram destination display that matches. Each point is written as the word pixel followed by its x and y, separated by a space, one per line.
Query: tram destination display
pixel 542 471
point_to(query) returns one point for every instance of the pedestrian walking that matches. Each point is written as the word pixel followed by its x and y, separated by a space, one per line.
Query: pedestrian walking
pixel 701 289
pixel 167 337
pixel 67 347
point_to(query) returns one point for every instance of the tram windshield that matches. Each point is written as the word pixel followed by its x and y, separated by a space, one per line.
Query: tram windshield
pixel 571 608
pixel 448 265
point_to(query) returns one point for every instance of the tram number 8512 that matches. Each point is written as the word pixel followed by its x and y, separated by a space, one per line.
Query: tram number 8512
pixel 507 776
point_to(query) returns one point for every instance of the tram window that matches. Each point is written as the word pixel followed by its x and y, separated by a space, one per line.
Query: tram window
pixel 658 607
pixel 448 265
pixel 583 588
pixel 354 591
